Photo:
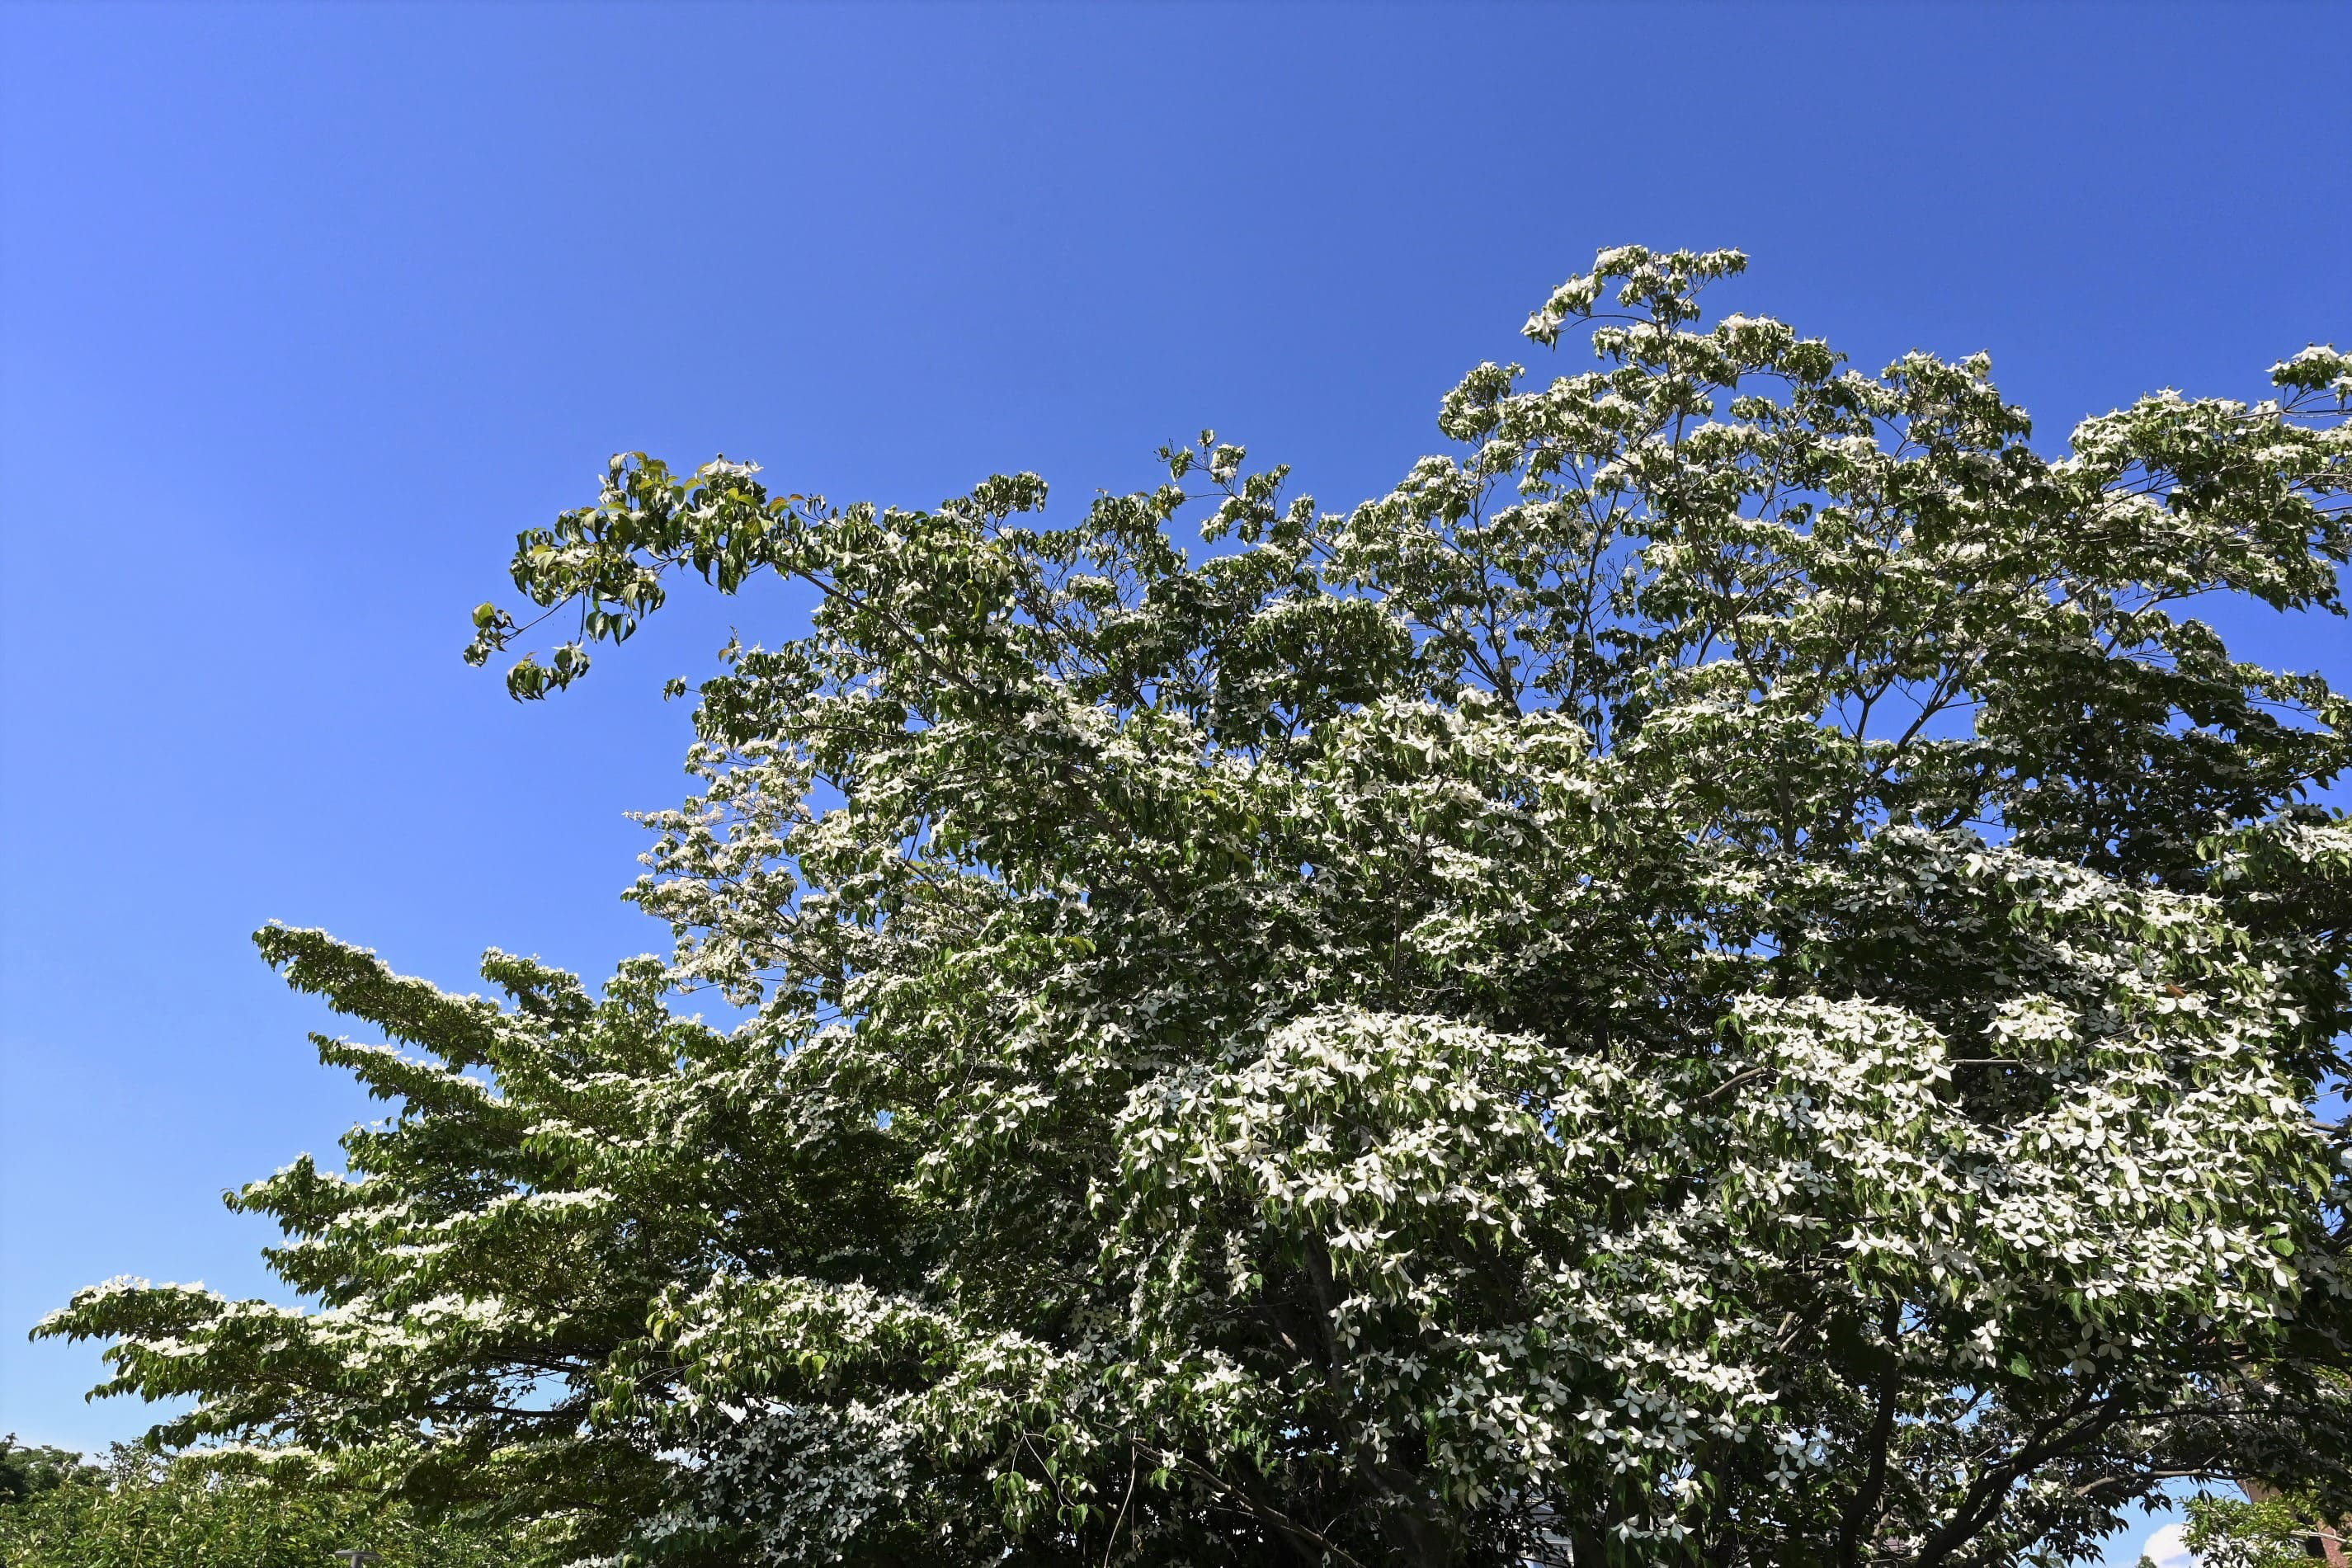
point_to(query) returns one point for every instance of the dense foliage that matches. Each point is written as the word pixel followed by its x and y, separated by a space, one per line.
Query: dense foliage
pixel 139 1511
pixel 29 1469
pixel 1726 974
pixel 2269 1532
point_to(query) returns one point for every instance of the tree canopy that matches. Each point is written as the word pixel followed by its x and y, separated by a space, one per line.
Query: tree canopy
pixel 139 1511
pixel 29 1471
pixel 1727 973
pixel 2267 1531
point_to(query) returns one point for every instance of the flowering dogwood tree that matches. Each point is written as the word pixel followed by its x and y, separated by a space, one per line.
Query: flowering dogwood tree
pixel 1726 974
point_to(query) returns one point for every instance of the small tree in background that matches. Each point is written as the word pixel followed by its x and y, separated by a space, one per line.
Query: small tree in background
pixel 29 1470
pixel 142 1511
pixel 2267 1532
pixel 1727 975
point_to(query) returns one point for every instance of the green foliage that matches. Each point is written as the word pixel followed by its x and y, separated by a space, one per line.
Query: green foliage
pixel 139 1511
pixel 24 1471
pixel 1726 974
pixel 2270 1532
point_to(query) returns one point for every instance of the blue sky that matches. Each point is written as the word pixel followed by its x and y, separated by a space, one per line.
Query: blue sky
pixel 305 311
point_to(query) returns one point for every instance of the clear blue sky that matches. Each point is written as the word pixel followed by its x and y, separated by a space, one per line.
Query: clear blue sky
pixel 306 310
